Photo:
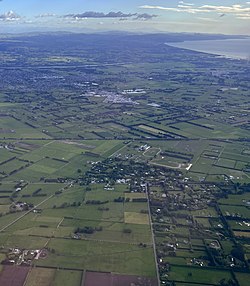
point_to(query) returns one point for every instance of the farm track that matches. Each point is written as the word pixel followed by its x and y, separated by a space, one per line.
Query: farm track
pixel 90 239
pixel 153 238
pixel 23 215
pixel 32 209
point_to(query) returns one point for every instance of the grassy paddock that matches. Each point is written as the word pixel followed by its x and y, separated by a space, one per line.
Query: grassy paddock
pixel 195 274
pixel 40 277
pixel 100 256
pixel 73 278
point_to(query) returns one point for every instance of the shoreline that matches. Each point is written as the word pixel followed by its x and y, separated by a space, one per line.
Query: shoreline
pixel 220 54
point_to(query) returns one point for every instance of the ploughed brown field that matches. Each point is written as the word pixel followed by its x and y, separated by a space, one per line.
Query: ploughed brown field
pixel 13 275
pixel 109 279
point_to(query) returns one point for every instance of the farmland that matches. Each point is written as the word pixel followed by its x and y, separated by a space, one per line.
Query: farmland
pixel 126 163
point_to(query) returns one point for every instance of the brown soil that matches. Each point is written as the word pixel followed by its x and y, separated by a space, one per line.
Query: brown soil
pixel 109 279
pixel 13 275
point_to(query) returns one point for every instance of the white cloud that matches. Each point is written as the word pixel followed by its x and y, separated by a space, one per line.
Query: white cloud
pixel 187 8
pixel 185 3
pixel 160 8
pixel 208 19
pixel 244 16
pixel 46 15
pixel 10 16
pixel 224 9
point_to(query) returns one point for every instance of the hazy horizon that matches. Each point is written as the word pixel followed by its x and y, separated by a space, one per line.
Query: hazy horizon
pixel 147 16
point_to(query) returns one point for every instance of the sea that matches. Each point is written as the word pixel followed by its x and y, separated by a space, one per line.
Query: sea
pixel 230 48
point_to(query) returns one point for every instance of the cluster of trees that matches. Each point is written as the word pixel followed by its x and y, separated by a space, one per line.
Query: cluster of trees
pixel 67 205
pixel 139 200
pixel 88 229
pixel 36 192
pixel 17 170
pixel 103 209
pixel 121 200
pixel 127 230
pixel 96 202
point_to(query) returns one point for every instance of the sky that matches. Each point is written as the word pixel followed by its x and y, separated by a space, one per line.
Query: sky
pixel 200 16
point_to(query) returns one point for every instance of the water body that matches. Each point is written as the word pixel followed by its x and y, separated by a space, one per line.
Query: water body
pixel 232 48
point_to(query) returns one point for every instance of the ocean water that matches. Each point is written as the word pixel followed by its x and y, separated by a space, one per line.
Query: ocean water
pixel 232 48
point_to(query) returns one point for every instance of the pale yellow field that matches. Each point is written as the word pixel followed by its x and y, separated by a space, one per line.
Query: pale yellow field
pixel 136 218
pixel 40 277
pixel 242 233
pixel 151 129
pixel 135 196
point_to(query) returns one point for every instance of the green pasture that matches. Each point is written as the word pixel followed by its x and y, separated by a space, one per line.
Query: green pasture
pixel 5 154
pixel 226 163
pixel 11 166
pixel 73 278
pixel 197 274
pixel 235 199
pixel 243 278
pixel 13 128
pixel 46 188
pixel 100 256
pixel 23 241
pixel 135 207
pixel 203 221
pixel 206 212
pixel 240 211
pixel 103 195
pixel 111 231
pixel 203 165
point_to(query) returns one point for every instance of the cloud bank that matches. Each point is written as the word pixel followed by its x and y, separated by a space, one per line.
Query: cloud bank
pixel 9 16
pixel 99 15
pixel 239 11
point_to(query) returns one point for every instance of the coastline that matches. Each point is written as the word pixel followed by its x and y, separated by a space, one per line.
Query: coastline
pixel 204 46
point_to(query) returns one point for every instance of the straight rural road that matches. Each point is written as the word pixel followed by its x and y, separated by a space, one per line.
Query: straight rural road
pixel 29 211
pixel 23 215
pixel 153 238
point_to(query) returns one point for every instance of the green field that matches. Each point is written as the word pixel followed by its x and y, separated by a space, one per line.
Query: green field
pixel 190 274
pixel 100 256
pixel 112 142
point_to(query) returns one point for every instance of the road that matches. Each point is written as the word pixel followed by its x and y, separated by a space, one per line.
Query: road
pixel 29 211
pixel 23 215
pixel 153 237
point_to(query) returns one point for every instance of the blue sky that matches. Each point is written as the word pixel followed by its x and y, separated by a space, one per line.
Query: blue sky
pixel 209 16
